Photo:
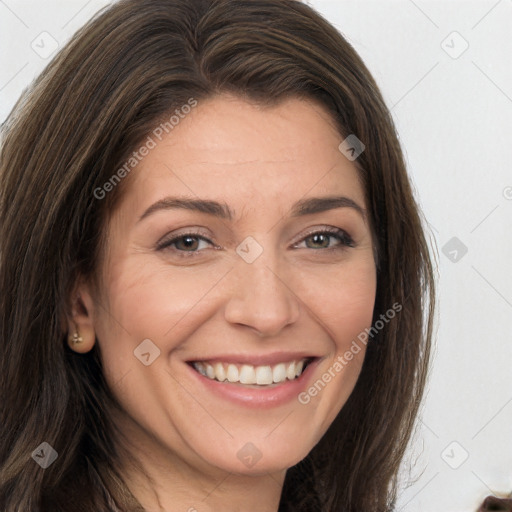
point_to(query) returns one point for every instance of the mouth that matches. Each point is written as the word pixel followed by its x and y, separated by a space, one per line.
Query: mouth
pixel 251 375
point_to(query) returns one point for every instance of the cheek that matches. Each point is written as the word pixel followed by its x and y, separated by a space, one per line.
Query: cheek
pixel 351 310
pixel 151 302
pixel 343 299
pixel 345 311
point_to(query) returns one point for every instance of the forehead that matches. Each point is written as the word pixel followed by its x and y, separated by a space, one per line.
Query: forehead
pixel 227 146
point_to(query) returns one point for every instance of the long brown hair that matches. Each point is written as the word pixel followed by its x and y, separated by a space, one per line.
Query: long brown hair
pixel 119 76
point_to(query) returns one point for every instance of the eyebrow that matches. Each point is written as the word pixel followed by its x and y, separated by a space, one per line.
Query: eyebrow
pixel 303 207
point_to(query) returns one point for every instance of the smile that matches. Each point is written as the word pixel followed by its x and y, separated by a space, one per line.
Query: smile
pixel 248 374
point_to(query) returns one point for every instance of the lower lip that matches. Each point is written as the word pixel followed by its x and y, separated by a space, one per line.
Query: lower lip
pixel 262 398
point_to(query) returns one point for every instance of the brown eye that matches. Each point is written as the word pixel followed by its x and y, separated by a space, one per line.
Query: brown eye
pixel 321 239
pixel 189 243
pixel 186 244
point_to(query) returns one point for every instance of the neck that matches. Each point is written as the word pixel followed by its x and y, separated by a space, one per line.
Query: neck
pixel 229 493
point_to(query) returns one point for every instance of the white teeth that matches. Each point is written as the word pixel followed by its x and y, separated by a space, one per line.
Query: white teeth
pixel 248 374
pixel 279 373
pixel 232 373
pixel 200 369
pixel 210 372
pixel 263 375
pixel 290 371
pixel 220 373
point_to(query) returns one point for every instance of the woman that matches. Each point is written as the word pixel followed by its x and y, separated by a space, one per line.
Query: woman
pixel 173 338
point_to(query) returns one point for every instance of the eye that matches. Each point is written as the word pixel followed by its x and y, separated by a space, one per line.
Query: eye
pixel 185 244
pixel 322 238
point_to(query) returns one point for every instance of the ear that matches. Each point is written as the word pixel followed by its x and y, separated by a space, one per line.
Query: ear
pixel 80 324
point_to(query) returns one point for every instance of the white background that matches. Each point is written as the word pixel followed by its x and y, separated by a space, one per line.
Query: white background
pixel 454 116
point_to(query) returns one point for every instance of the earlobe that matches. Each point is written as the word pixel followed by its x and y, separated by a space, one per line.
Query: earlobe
pixel 81 340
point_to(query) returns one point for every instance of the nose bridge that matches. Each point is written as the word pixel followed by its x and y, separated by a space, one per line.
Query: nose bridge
pixel 261 297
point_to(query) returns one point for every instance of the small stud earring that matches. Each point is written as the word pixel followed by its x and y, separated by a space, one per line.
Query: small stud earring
pixel 76 338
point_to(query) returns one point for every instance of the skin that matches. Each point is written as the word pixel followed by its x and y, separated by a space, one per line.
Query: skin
pixel 297 295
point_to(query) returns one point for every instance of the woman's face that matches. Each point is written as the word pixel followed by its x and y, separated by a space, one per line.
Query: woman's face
pixel 246 295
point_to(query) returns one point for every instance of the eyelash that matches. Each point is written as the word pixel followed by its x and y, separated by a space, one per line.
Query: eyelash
pixel 341 235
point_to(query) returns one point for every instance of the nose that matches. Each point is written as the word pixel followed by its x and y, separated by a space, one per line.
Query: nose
pixel 261 298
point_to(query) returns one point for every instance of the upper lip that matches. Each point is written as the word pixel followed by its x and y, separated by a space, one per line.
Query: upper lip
pixel 257 359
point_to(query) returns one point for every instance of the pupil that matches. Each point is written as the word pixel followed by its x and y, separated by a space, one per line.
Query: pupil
pixel 188 241
pixel 317 239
